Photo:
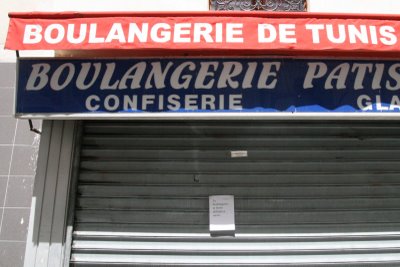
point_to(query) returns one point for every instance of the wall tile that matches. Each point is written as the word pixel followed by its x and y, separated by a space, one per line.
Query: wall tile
pixel 12 254
pixel 7 102
pixel 5 153
pixel 7 75
pixel 15 224
pixel 19 193
pixel 7 131
pixel 3 185
pixel 24 160
pixel 26 137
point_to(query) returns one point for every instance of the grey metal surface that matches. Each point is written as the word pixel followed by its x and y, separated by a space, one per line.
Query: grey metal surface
pixel 308 194
pixel 48 221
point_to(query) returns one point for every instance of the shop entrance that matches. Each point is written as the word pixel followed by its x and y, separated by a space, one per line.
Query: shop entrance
pixel 307 193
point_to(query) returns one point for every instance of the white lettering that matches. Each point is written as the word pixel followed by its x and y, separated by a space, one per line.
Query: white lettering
pixel 71 34
pixel 376 82
pixel 373 35
pixel 388 35
pixel 235 102
pixel 32 34
pixel 229 71
pixel 263 37
pixel 80 81
pixel 249 76
pixel 160 33
pixel 147 100
pixel 130 103
pixel 358 33
pixel 157 75
pixel 202 31
pixel 205 72
pixel 93 39
pixel 106 80
pixel 191 102
pixel 89 105
pixel 174 103
pixel 266 73
pixel 364 102
pixel 339 74
pixel 177 76
pixel 315 31
pixel 182 33
pixel 361 70
pixel 208 102
pixel 141 34
pixel 54 33
pixel 341 38
pixel 287 33
pixel 218 32
pixel 55 79
pixel 116 33
pixel 135 74
pixel 234 33
pixel 111 102
pixel 395 75
pixel 395 103
pixel 315 70
pixel 38 77
pixel 379 104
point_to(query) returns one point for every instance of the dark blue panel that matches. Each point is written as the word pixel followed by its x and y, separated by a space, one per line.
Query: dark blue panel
pixel 207 85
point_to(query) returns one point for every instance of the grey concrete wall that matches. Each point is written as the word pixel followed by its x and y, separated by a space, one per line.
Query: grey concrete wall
pixel 18 155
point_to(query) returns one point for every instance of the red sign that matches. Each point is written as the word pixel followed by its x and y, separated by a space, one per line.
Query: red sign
pixel 257 32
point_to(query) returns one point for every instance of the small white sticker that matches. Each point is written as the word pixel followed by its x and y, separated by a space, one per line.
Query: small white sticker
pixel 222 214
pixel 239 154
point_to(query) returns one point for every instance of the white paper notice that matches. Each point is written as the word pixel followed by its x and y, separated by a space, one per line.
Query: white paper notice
pixel 222 214
pixel 239 154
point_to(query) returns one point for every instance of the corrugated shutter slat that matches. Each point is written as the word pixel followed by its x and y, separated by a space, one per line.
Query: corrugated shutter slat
pixel 308 193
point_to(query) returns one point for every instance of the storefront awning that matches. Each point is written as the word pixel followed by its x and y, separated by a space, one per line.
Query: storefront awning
pixel 238 33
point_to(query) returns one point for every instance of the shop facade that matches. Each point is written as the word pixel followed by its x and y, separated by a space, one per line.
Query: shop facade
pixel 138 143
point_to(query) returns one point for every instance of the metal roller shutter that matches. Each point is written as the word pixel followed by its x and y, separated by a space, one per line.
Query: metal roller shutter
pixel 308 194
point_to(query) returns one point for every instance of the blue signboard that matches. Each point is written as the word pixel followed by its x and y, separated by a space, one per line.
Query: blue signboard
pixel 238 85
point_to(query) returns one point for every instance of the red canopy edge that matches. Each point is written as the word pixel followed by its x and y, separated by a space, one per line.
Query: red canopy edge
pixel 263 14
pixel 304 44
pixel 155 53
